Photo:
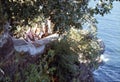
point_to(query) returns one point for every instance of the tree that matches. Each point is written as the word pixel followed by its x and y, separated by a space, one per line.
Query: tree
pixel 63 13
pixel 61 62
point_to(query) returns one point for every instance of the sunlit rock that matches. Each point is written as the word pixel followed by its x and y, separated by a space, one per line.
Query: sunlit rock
pixel 33 47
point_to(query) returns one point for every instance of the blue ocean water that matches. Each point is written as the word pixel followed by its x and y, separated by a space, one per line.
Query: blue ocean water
pixel 109 32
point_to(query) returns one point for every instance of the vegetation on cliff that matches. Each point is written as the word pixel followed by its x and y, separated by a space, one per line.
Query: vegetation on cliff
pixel 70 58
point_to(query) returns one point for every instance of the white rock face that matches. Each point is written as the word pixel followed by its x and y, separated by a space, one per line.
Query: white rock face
pixel 33 48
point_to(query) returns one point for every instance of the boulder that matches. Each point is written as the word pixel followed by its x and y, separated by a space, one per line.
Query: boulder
pixel 6 43
pixel 6 46
pixel 102 45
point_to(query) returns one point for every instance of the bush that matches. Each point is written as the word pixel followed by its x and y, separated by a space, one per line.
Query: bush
pixel 61 62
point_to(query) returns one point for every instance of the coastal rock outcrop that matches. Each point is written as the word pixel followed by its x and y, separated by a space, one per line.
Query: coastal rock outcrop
pixel 6 43
pixel 70 59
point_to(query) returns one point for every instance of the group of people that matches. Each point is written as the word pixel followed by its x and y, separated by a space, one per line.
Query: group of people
pixel 37 32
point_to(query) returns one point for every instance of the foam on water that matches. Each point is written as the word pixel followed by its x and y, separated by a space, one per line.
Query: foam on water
pixel 104 58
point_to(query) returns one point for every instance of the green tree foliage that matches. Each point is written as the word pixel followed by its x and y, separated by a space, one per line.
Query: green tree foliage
pixel 62 61
pixel 68 59
pixel 63 13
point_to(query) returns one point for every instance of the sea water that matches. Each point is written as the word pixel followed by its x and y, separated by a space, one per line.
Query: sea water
pixel 109 32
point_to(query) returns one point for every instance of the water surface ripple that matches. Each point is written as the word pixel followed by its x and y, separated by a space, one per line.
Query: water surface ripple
pixel 109 31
